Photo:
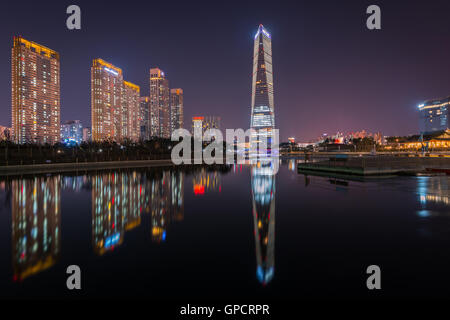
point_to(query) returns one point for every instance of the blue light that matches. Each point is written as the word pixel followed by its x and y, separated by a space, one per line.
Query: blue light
pixel 164 236
pixel 112 240
pixel 423 213
pixel 112 71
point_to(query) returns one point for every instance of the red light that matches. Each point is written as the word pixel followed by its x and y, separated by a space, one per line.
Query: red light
pixel 199 189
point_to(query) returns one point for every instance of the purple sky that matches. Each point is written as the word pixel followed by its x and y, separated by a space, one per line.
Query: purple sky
pixel 330 72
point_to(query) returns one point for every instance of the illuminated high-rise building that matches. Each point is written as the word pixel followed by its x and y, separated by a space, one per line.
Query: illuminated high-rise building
pixel 106 101
pixel 114 104
pixel 159 104
pixel 144 118
pixel 35 93
pixel 262 108
pixel 176 108
pixel 131 110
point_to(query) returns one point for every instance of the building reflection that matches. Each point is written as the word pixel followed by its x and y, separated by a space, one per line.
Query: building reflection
pixel 167 203
pixel 434 196
pixel 75 183
pixel 36 225
pixel 204 181
pixel 120 199
pixel 263 199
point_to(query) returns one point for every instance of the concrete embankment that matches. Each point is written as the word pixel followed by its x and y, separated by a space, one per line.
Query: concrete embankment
pixel 377 165
pixel 80 166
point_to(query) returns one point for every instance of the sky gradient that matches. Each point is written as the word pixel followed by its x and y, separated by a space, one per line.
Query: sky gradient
pixel 330 72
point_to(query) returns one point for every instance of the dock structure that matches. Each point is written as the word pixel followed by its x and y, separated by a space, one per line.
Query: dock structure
pixel 377 165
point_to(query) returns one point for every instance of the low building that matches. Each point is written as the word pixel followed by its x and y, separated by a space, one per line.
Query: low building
pixel 435 141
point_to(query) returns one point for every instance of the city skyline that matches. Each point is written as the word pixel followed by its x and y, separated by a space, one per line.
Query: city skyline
pixel 339 78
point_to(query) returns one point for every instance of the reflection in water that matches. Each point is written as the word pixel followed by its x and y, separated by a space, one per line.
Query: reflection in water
pixel 263 198
pixel 205 181
pixel 76 184
pixel 116 208
pixel 167 194
pixel 433 192
pixel 119 199
pixel 35 225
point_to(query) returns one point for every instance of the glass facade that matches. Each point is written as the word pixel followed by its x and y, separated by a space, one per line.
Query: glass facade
pixel 262 108
pixel 434 115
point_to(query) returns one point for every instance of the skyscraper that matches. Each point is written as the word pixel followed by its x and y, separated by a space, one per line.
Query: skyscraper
pixel 159 104
pixel 176 108
pixel 114 104
pixel 131 108
pixel 144 116
pixel 35 93
pixel 106 101
pixel 262 108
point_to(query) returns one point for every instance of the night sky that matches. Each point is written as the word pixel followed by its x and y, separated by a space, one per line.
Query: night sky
pixel 330 72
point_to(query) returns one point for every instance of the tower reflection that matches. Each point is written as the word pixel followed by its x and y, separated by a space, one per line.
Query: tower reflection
pixel 35 225
pixel 263 200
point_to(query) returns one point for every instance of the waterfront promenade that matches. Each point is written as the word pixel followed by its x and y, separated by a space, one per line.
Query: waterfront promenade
pixel 378 165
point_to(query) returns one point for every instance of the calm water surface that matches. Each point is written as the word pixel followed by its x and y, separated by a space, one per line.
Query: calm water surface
pixel 214 234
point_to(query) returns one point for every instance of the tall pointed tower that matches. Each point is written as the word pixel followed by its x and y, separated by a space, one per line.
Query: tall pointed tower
pixel 263 113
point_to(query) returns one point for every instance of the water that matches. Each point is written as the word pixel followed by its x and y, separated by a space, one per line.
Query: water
pixel 174 234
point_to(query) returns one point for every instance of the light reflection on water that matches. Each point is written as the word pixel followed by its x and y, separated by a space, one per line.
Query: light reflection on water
pixel 122 201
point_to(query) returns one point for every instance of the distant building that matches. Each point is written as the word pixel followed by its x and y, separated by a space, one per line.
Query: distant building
pixel 434 115
pixel 35 90
pixel 5 133
pixel 72 131
pixel 176 108
pixel 87 136
pixel 144 118
pixel 159 104
pixel 131 128
pixel 205 123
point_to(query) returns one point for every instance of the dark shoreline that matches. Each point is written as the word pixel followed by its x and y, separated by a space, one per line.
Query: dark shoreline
pixel 81 166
